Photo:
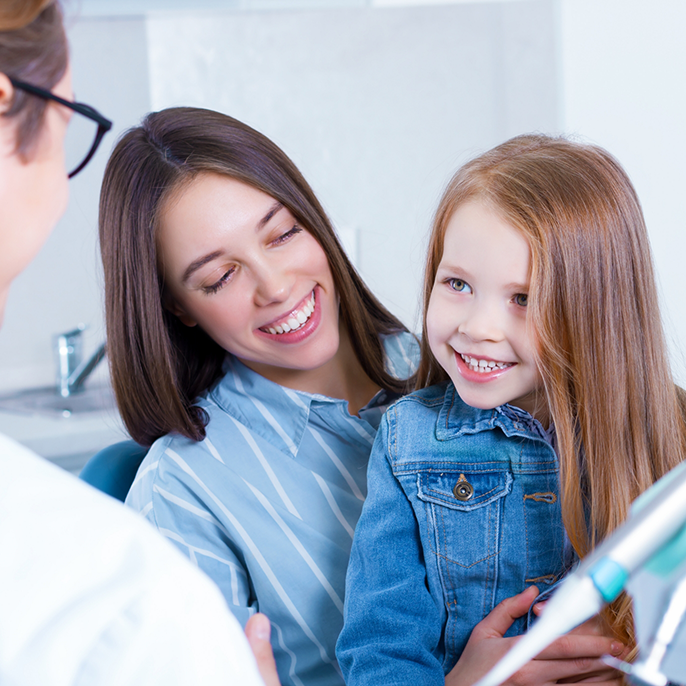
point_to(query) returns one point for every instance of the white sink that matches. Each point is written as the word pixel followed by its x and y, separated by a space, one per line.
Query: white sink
pixel 66 431
pixel 47 401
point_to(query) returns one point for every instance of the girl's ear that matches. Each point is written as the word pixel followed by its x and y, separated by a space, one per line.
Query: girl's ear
pixel 6 93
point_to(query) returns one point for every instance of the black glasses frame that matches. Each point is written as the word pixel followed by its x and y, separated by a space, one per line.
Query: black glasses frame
pixel 104 124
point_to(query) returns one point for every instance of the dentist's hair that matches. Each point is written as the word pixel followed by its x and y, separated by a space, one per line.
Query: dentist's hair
pixel 33 48
pixel 593 308
pixel 158 365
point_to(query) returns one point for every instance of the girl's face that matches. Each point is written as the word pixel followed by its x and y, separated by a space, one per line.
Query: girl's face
pixel 476 321
pixel 237 264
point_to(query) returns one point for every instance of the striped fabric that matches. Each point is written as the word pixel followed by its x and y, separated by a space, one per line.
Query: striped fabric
pixel 267 504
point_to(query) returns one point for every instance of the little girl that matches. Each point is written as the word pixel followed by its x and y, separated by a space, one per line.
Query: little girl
pixel 546 405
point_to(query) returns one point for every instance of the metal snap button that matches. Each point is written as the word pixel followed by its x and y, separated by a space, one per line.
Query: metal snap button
pixel 463 490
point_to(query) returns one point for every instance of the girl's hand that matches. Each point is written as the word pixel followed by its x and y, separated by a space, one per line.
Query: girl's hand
pixel 572 658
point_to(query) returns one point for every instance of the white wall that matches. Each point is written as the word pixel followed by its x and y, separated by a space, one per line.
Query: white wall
pixel 623 77
pixel 376 106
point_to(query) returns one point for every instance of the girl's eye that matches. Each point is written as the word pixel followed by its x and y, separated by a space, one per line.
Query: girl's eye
pixel 287 236
pixel 459 285
pixel 521 299
pixel 223 279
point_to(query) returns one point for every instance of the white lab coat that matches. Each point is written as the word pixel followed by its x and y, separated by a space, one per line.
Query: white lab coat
pixel 91 595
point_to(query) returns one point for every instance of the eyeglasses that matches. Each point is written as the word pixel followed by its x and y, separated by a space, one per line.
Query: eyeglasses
pixel 84 134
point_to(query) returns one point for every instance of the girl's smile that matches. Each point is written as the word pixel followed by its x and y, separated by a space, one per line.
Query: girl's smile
pixel 481 370
pixel 477 317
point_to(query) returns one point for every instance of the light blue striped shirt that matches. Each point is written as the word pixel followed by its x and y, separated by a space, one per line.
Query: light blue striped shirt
pixel 267 504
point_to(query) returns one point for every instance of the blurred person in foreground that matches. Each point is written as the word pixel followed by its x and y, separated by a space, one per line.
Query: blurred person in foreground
pixel 89 593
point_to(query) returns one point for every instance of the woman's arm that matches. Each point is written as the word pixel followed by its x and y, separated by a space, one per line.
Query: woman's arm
pixel 392 623
pixel 173 500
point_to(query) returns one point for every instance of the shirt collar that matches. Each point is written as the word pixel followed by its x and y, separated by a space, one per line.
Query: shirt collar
pixel 456 418
pixel 276 413
pixel 267 409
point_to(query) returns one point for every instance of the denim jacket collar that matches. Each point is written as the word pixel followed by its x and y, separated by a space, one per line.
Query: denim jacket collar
pixel 456 418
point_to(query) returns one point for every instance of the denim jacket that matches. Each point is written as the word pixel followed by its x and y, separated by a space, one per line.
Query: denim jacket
pixel 462 512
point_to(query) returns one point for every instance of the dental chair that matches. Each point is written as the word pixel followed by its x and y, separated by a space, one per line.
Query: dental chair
pixel 113 469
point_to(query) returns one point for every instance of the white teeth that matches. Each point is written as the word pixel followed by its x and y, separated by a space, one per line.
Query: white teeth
pixel 483 366
pixel 295 321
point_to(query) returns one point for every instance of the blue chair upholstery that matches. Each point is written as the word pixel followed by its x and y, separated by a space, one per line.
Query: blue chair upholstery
pixel 113 469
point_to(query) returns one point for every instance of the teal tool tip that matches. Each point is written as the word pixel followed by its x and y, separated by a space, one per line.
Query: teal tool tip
pixel 609 577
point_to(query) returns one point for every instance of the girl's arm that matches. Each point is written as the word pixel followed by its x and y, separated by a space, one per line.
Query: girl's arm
pixel 573 658
pixel 392 623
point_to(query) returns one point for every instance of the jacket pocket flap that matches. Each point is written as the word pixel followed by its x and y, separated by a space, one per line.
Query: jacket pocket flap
pixel 463 490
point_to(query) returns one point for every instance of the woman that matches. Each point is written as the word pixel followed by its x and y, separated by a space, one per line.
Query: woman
pixel 88 594
pixel 244 344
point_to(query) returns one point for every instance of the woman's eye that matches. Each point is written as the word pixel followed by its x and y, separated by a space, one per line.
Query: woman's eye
pixel 287 236
pixel 521 299
pixel 223 279
pixel 459 285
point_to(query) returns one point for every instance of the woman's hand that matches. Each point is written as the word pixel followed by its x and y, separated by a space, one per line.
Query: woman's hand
pixel 257 632
pixel 573 658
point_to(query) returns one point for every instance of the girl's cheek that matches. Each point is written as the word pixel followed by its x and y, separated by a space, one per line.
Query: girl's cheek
pixel 434 328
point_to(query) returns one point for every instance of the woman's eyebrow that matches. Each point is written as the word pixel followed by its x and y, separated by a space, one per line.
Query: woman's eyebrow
pixel 276 207
pixel 200 262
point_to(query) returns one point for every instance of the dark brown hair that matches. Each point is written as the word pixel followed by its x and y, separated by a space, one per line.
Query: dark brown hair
pixel 33 48
pixel 594 310
pixel 158 365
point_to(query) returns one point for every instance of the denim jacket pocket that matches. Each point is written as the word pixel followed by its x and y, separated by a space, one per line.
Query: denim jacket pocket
pixel 463 509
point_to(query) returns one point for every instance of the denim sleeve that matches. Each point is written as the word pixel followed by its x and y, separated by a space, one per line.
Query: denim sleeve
pixel 392 623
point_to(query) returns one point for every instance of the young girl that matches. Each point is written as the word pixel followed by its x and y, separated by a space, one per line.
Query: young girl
pixel 244 344
pixel 546 406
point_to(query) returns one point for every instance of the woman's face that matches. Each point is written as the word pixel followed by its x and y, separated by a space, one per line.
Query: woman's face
pixel 33 188
pixel 237 264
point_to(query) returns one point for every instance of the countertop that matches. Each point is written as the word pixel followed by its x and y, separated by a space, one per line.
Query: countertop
pixel 66 441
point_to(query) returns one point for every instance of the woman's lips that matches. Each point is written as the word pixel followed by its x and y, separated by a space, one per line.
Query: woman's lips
pixel 294 320
pixel 480 369
pixel 304 330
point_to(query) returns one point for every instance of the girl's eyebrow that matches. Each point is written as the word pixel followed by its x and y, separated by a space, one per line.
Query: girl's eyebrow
pixel 202 261
pixel 454 269
pixel 519 287
pixel 464 273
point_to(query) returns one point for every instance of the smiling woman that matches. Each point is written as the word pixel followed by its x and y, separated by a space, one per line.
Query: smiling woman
pixel 260 286
pixel 244 344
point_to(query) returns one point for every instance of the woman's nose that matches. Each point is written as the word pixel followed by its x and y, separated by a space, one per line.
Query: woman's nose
pixel 272 286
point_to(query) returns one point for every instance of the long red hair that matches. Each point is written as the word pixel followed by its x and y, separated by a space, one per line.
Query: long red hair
pixel 594 309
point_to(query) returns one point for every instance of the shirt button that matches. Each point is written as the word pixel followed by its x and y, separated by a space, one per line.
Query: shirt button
pixel 463 490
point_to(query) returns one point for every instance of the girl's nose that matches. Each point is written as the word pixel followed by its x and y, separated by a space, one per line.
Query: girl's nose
pixel 482 323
